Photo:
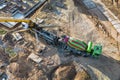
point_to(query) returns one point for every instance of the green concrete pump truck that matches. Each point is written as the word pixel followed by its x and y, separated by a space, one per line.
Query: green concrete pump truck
pixel 80 47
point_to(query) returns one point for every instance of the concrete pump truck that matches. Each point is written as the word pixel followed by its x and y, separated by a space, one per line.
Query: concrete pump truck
pixel 80 47
pixel 71 45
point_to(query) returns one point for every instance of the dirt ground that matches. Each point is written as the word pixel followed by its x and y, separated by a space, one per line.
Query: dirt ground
pixel 113 8
pixel 74 22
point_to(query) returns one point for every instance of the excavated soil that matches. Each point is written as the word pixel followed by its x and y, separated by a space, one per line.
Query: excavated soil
pixel 113 8
pixel 64 72
pixel 68 71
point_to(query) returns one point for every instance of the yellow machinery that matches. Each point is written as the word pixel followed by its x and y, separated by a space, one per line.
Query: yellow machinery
pixel 27 23
pixel 30 23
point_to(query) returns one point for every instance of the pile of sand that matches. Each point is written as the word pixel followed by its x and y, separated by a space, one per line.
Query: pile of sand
pixel 68 72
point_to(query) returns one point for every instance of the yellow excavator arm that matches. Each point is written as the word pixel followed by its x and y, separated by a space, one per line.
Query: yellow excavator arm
pixel 28 21
pixel 14 20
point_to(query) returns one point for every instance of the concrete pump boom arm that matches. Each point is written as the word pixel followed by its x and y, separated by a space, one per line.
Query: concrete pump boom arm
pixel 14 20
pixel 28 21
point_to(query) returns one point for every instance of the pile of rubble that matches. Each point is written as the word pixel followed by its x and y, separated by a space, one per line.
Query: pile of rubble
pixel 16 52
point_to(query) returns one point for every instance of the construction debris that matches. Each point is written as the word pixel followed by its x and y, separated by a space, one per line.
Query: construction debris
pixel 3 65
pixel 35 58
pixel 17 36
pixel 60 4
pixel 10 52
pixel 1 43
pixel 3 76
pixel 49 61
pixel 2 31
pixel 39 21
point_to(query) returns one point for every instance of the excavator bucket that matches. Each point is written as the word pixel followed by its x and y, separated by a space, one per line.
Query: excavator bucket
pixel 97 51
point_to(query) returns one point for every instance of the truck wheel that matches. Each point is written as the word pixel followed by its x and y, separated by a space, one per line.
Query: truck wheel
pixel 49 43
pixel 86 55
pixel 67 54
